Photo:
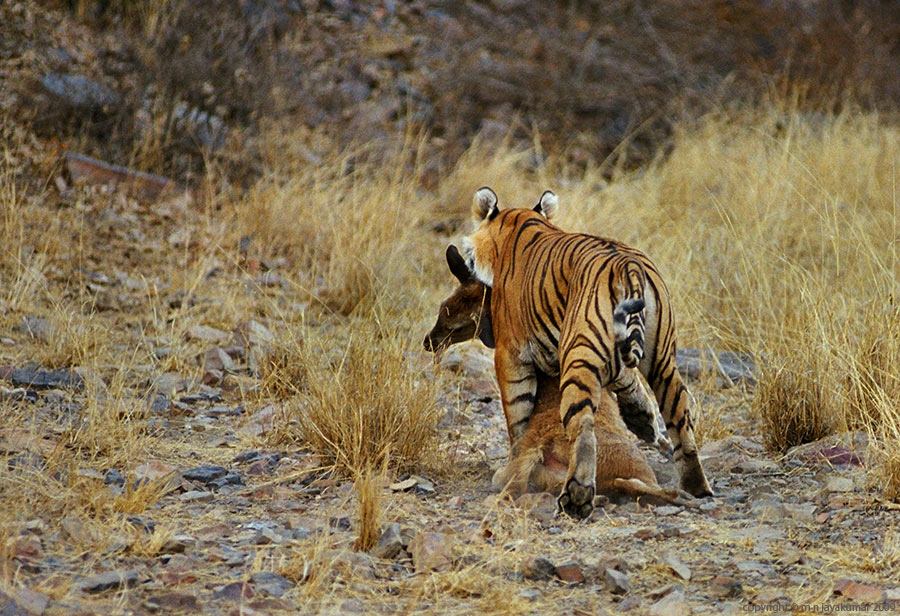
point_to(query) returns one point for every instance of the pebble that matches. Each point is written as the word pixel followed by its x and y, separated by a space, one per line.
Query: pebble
pixel 616 581
pixel 390 543
pixel 672 604
pixel 430 551
pixel 570 572
pixel 839 484
pixel 108 581
pixel 679 568
pixel 204 474
pixel 271 583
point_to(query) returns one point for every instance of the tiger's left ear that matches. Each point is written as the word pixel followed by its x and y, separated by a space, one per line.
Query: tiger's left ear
pixel 485 205
pixel 548 205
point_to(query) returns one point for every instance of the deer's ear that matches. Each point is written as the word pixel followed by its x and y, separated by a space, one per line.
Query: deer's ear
pixel 458 265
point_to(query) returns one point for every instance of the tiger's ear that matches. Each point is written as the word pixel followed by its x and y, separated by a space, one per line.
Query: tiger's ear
pixel 485 205
pixel 548 205
pixel 458 265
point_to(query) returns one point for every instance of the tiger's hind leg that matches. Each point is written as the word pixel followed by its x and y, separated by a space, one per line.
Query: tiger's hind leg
pixel 672 395
pixel 640 410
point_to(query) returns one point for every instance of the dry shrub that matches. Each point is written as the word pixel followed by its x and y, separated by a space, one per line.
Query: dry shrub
pixel 368 491
pixel 796 405
pixel 365 404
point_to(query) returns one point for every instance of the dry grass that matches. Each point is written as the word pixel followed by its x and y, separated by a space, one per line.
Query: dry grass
pixel 785 248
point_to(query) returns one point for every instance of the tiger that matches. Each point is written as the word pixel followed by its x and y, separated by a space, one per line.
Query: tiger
pixel 462 316
pixel 555 297
pixel 622 470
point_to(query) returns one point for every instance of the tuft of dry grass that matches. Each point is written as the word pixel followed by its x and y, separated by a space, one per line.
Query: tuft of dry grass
pixel 365 405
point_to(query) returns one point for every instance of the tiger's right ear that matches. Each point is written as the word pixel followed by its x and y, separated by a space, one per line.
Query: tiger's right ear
pixel 485 205
pixel 548 205
pixel 458 265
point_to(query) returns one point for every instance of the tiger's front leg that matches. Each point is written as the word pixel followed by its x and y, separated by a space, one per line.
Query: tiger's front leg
pixel 518 393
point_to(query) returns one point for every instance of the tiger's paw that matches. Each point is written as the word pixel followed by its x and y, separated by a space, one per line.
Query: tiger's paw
pixel 577 500
pixel 693 479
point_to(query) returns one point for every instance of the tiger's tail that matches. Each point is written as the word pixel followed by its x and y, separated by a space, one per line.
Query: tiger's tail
pixel 628 326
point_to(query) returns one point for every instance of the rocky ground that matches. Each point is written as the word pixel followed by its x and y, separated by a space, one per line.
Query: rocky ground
pixel 237 526
pixel 261 530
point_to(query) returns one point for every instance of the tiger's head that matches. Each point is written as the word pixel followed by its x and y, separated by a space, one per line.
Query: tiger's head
pixel 483 249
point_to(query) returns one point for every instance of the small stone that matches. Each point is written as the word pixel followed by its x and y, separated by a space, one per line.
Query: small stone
pixel 196 496
pixel 173 602
pixel 668 510
pixel 390 543
pixel 205 474
pixel 405 485
pixel 839 484
pixel 616 581
pixel 570 572
pixel 538 569
pixel 271 583
pixel 204 333
pixel 679 568
pixel 672 604
pixel 217 359
pixel 755 466
pixel 236 591
pixel 858 592
pixel 726 587
pixel 542 506
pixel 430 552
pixel 32 601
pixel 530 594
pixel 110 580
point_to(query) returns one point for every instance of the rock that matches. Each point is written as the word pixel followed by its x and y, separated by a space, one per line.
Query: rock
pixel 541 506
pixel 430 552
pixel 803 513
pixel 205 333
pixel 617 582
pixel 196 496
pixel 205 474
pixel 146 186
pixel 37 378
pixel 32 601
pixel 668 510
pixel 419 485
pixel 10 607
pixel 672 604
pixel 767 510
pixel 731 368
pixel 217 359
pixel 570 572
pixel 726 587
pixel 112 580
pixel 173 602
pixel 538 569
pixel 390 543
pixel 80 92
pixel 271 583
pixel 839 484
pixel 678 567
pixel 863 593
pixel 236 591
pixel 746 467
pixel 156 470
